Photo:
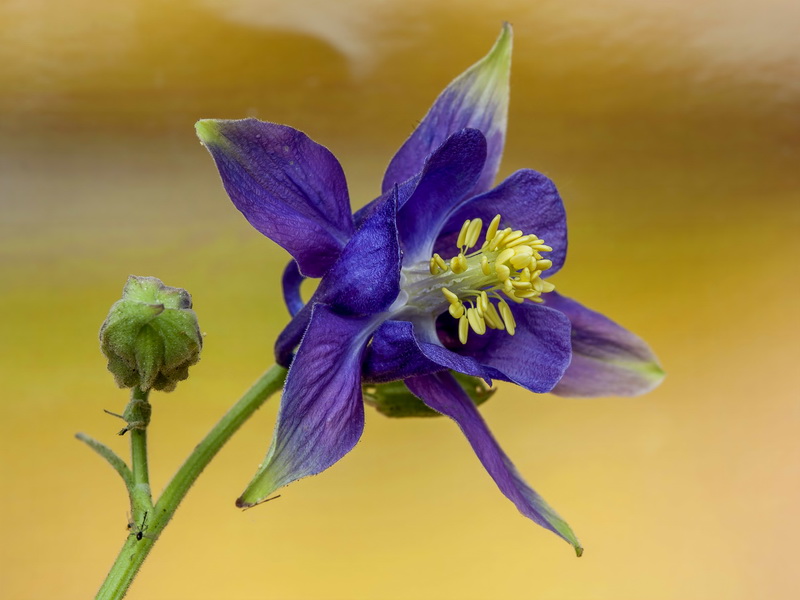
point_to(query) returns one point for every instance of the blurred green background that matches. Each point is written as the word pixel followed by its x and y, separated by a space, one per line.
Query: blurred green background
pixel 671 129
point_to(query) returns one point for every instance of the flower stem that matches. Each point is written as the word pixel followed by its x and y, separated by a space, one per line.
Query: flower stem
pixel 145 532
pixel 138 416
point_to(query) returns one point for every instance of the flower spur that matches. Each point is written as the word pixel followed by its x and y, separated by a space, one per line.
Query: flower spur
pixel 389 306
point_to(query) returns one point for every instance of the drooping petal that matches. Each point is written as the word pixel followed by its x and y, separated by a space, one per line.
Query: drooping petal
pixel 366 277
pixel 321 416
pixel 527 201
pixel 288 187
pixel 478 98
pixel 607 360
pixel 535 357
pixel 291 281
pixel 442 393
pixel 449 175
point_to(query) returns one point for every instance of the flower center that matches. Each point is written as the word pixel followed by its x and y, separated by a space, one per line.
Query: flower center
pixel 509 262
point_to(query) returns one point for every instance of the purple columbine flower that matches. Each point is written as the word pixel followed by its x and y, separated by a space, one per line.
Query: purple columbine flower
pixel 441 273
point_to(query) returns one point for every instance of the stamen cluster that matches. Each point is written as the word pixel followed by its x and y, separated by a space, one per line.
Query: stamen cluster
pixel 508 262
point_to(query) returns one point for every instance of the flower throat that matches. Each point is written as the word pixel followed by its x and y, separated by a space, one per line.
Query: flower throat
pixel 509 262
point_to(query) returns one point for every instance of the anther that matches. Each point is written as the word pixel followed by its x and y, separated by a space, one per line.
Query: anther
pixel 514 235
pixel 462 235
pixel 493 318
pixel 525 239
pixel 493 226
pixel 476 321
pixel 456 310
pixel 473 232
pixel 504 256
pixel 458 264
pixel 463 329
pixel 503 272
pixel 451 297
pixel 485 268
pixel 508 318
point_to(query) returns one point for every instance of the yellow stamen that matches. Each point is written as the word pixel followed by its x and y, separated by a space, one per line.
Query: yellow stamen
pixel 503 272
pixel 456 310
pixel 520 240
pixel 458 264
pixel 487 270
pixel 493 318
pixel 508 318
pixel 509 262
pixel 476 321
pixel 451 297
pixel 493 226
pixel 483 302
pixel 504 256
pixel 473 232
pixel 463 329
pixel 462 235
pixel 520 261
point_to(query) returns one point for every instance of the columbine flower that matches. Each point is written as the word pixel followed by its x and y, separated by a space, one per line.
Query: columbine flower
pixel 441 273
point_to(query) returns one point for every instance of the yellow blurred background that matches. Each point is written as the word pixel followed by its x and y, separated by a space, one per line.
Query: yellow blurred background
pixel 671 129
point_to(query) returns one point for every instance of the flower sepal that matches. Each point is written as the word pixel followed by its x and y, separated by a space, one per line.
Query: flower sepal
pixel 394 400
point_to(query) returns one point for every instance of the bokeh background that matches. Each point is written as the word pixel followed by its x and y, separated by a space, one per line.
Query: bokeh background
pixel 672 130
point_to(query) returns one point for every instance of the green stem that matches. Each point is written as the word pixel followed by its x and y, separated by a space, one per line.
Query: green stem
pixel 134 551
pixel 138 416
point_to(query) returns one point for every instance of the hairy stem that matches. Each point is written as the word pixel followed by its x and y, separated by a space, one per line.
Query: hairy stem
pixel 145 533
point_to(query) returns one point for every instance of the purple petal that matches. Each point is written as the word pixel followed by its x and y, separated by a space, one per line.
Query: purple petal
pixel 427 340
pixel 443 394
pixel 288 187
pixel 365 280
pixel 478 99
pixel 535 357
pixel 291 282
pixel 607 360
pixel 526 200
pixel 400 350
pixel 366 277
pixel 448 177
pixel 321 416
pixel 394 354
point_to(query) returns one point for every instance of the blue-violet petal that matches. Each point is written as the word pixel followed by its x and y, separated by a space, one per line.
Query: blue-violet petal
pixel 441 392
pixel 322 414
pixel 478 98
pixel 607 359
pixel 288 187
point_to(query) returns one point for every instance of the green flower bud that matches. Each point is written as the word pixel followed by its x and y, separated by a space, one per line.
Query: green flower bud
pixel 151 337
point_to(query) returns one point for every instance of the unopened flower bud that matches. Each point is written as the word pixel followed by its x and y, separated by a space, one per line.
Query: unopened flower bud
pixel 151 336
